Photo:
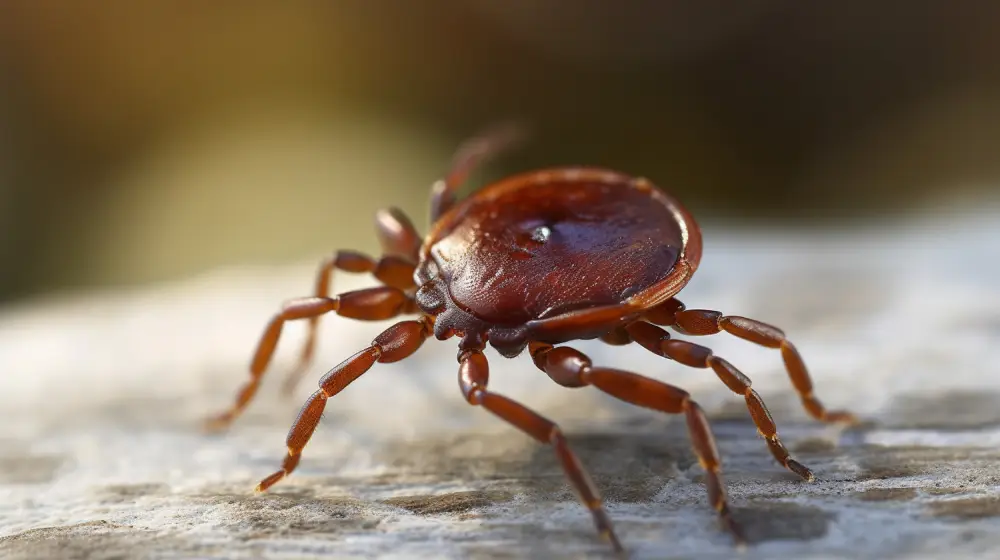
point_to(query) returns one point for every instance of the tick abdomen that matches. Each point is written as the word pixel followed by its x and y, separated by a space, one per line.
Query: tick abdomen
pixel 533 249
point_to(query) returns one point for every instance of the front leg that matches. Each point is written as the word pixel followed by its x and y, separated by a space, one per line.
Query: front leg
pixel 392 270
pixel 395 343
pixel 371 304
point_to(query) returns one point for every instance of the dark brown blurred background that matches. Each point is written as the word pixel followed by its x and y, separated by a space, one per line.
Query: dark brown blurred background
pixel 149 140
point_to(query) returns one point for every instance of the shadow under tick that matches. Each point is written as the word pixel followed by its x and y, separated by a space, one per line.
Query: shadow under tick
pixel 966 508
pixel 886 494
pixel 453 502
pixel 952 410
pixel 771 521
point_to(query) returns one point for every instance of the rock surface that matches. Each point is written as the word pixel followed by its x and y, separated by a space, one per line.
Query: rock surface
pixel 102 398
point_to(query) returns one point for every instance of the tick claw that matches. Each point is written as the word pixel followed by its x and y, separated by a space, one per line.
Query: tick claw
pixel 216 424
pixel 268 482
pixel 739 539
pixel 801 470
pixel 615 543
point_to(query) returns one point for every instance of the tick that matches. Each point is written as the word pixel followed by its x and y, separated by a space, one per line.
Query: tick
pixel 530 263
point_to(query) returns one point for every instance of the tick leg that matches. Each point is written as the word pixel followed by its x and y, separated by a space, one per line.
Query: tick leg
pixel 658 341
pixel 392 270
pixel 395 343
pixel 617 337
pixel 473 377
pixel 572 368
pixel 383 302
pixel 700 322
pixel 396 234
pixel 469 155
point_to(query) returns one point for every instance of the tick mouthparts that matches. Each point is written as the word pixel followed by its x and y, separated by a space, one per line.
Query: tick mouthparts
pixel 430 298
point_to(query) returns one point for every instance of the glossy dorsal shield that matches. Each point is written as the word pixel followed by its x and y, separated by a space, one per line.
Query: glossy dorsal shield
pixel 533 248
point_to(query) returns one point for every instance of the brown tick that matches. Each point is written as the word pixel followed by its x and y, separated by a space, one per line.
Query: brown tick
pixel 534 261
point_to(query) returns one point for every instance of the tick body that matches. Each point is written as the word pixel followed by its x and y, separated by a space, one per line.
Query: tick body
pixel 533 262
pixel 553 256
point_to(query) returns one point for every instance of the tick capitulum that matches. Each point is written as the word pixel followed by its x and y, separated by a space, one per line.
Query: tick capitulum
pixel 532 262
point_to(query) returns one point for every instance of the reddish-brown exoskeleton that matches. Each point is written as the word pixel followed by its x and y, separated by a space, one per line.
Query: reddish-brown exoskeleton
pixel 534 261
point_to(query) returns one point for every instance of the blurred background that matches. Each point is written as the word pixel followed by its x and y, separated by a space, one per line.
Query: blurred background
pixel 143 141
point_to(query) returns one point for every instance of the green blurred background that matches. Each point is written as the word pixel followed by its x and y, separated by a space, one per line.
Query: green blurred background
pixel 143 141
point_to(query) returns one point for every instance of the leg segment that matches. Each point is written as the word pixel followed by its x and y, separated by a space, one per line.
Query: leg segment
pixel 617 337
pixel 392 270
pixel 396 234
pixel 701 322
pixel 658 341
pixel 469 155
pixel 572 368
pixel 395 343
pixel 371 304
pixel 473 377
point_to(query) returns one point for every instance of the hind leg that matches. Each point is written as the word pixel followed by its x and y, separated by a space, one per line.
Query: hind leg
pixel 658 341
pixel 572 368
pixel 702 322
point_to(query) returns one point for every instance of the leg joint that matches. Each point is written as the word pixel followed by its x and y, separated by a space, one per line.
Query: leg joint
pixel 475 395
pixel 698 322
pixel 566 366
pixel 556 435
